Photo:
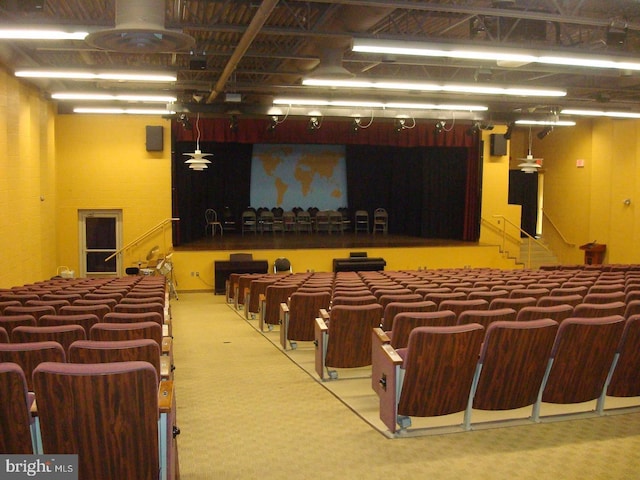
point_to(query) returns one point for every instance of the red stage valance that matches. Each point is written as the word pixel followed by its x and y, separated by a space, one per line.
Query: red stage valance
pixel 337 132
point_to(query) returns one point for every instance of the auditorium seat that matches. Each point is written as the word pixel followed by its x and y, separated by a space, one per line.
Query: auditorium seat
pixel 388 298
pixel 624 380
pixel 4 336
pixel 98 310
pixel 121 425
pixel 439 366
pixel 551 300
pixel 488 295
pixel 257 287
pixel 394 308
pixel 298 315
pixel 515 303
pixel 12 321
pixel 439 297
pixel 343 337
pixel 111 332
pixel 554 312
pixel 512 364
pixel 487 317
pixel 529 292
pixel 274 295
pixel 65 335
pixel 144 350
pixel 86 321
pixel 30 355
pixel 580 361
pixel 15 416
pixel 604 297
pixel 592 310
pixel 398 335
pixel 353 300
pixel 36 311
pixel 459 306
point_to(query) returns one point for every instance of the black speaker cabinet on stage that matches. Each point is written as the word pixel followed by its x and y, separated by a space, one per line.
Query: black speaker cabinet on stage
pixel 154 138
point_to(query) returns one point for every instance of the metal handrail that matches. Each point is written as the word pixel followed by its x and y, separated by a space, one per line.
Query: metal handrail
pixel 567 242
pixel 146 234
pixel 529 236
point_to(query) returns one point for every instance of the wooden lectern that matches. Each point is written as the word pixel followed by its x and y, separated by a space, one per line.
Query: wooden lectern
pixel 593 253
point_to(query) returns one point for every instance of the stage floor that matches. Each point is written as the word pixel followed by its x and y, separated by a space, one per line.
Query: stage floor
pixel 293 241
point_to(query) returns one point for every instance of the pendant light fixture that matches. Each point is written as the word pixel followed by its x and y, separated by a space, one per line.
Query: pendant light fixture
pixel 198 161
pixel 530 164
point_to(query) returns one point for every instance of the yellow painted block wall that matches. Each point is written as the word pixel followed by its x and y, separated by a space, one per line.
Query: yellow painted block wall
pixel 188 262
pixel 495 198
pixel 587 203
pixel 102 163
pixel 27 185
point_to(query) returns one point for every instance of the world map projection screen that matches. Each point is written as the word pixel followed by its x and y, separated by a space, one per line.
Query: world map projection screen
pixel 303 176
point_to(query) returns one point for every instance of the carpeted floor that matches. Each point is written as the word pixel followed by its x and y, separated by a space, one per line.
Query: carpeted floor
pixel 246 411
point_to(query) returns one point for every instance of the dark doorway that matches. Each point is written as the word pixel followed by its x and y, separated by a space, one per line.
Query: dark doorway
pixel 523 190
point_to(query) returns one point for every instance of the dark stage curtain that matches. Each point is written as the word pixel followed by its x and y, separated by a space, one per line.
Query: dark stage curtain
pixel 523 190
pixel 429 192
pixel 225 183
pixel 428 183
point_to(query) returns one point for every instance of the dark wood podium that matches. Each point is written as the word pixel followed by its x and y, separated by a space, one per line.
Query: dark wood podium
pixel 593 253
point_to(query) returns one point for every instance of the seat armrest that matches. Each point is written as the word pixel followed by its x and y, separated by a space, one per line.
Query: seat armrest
pixel 165 367
pixel 321 325
pixel 324 315
pixel 381 336
pixel 391 355
pixel 165 396
pixel 167 346
pixel 284 324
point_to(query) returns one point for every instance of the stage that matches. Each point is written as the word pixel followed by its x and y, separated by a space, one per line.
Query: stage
pixel 295 241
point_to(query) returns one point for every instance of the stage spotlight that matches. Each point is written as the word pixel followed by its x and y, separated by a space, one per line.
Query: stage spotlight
pixel 233 123
pixel 473 129
pixel 272 124
pixel 183 120
pixel 439 127
pixel 544 132
pixel 507 134
pixel 314 124
pixel 355 125
pixel 400 124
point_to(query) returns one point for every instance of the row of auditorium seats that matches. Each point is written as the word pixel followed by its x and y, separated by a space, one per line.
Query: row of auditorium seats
pixel 355 318
pixel 102 346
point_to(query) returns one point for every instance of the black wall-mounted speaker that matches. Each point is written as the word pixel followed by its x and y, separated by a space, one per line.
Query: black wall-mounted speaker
pixel 155 141
pixel 498 145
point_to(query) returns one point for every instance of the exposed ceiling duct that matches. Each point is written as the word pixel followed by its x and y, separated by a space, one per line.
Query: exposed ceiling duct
pixel 330 66
pixel 139 28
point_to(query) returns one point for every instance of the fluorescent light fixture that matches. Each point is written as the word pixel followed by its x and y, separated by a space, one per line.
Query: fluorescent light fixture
pixel 39 34
pixel 84 75
pixel 435 87
pixel 124 111
pixel 117 98
pixel 555 123
pixel 374 104
pixel 499 54
pixel 600 113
